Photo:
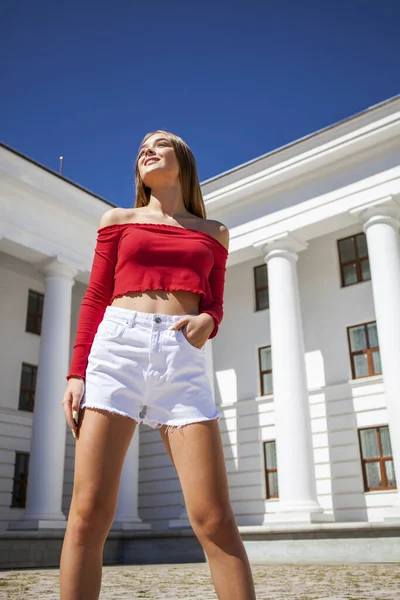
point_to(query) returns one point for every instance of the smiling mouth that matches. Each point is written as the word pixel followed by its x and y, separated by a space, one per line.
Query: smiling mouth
pixel 151 160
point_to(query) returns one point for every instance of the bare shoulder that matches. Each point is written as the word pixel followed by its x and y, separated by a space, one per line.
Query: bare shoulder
pixel 219 231
pixel 114 216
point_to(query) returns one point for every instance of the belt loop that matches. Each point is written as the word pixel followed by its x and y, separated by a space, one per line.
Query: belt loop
pixel 132 318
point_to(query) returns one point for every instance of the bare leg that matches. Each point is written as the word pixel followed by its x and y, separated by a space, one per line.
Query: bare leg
pixel 197 453
pixel 101 447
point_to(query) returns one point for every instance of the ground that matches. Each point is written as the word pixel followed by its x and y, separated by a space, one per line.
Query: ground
pixel 192 582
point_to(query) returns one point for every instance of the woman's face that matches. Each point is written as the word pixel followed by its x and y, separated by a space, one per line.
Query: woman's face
pixel 157 161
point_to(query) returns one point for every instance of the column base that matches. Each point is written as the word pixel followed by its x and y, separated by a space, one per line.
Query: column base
pixel 301 517
pixel 181 522
pixel 392 514
pixel 37 524
pixel 130 525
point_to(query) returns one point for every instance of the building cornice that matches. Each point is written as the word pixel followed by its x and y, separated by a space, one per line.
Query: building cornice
pixel 321 155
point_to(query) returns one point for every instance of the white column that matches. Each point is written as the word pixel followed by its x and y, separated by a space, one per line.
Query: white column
pixel 126 516
pixel 296 472
pixel 46 465
pixel 381 225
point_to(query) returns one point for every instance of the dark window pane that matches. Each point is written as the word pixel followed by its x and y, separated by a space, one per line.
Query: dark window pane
pixel 26 376
pixel 374 479
pixel 369 443
pixel 360 365
pixel 17 499
pixel 31 323
pixel 266 361
pixel 261 276
pixel 376 359
pixel 40 304
pixel 391 478
pixel 365 270
pixel 358 338
pixel 20 481
pixel 270 455
pixel 347 250
pixel 262 299
pixel 361 242
pixel 20 464
pixel 385 441
pixel 24 401
pixel 350 274
pixel 372 335
pixel 32 302
pixel 267 383
pixel 273 484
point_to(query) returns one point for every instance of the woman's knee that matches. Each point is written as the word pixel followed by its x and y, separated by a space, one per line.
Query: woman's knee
pixel 90 517
pixel 214 524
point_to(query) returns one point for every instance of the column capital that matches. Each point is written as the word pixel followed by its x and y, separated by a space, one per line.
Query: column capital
pixel 382 210
pixel 57 268
pixel 284 244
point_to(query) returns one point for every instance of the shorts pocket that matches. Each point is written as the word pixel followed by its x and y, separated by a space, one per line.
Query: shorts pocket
pixel 185 341
pixel 111 329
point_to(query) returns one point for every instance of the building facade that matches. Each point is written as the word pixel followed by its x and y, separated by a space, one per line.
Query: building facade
pixel 305 367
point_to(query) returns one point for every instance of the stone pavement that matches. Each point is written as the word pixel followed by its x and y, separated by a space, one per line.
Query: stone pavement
pixel 192 582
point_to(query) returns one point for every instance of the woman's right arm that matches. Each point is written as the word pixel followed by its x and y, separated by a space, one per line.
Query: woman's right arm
pixel 94 303
pixel 98 293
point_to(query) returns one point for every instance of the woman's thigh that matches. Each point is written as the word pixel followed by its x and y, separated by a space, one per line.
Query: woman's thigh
pixel 101 446
pixel 197 454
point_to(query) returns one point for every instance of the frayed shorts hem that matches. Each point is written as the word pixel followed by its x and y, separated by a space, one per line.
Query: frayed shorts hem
pixel 153 424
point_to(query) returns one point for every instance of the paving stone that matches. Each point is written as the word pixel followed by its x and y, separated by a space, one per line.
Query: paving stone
pixel 192 582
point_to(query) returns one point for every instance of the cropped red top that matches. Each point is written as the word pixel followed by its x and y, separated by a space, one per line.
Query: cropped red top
pixel 135 257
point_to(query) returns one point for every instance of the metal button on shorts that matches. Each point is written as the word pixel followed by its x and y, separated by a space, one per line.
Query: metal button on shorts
pixel 157 319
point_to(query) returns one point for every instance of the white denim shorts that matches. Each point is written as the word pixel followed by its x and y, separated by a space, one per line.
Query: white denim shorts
pixel 141 369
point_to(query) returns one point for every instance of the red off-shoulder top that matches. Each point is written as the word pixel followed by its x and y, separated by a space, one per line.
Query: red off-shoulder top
pixel 148 256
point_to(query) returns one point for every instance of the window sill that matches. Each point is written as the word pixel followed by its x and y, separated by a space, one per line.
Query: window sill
pixel 381 492
pixel 265 398
pixel 366 380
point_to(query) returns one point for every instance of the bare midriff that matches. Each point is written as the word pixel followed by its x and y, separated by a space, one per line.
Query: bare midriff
pixel 178 302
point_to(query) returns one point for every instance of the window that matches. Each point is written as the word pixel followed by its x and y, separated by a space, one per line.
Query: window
pixel 20 480
pixel 271 470
pixel 27 387
pixel 265 363
pixel 354 261
pixel 261 287
pixel 35 312
pixel 364 350
pixel 377 459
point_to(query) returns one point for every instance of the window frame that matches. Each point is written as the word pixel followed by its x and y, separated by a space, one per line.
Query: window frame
pixel 369 351
pixel 381 460
pixel 262 288
pixel 357 260
pixel 38 316
pixel 261 372
pixel 21 481
pixel 267 471
pixel 31 390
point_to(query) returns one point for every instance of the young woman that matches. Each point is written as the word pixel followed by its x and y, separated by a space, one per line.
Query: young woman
pixel 155 296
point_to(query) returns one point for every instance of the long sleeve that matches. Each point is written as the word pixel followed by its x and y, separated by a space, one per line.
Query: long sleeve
pixel 96 298
pixel 214 305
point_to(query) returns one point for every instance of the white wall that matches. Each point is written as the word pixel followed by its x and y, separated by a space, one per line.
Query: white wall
pixel 338 407
pixel 17 346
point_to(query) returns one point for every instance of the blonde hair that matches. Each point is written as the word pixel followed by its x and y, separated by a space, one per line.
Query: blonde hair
pixel 190 185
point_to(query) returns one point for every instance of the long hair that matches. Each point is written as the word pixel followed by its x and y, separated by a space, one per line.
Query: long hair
pixel 190 185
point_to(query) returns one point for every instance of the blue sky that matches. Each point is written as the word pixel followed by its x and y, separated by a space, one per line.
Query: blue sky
pixel 87 80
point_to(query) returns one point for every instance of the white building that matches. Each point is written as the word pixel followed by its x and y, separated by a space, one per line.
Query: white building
pixel 313 282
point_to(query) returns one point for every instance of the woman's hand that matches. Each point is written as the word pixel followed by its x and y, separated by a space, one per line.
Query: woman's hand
pixel 196 328
pixel 71 402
